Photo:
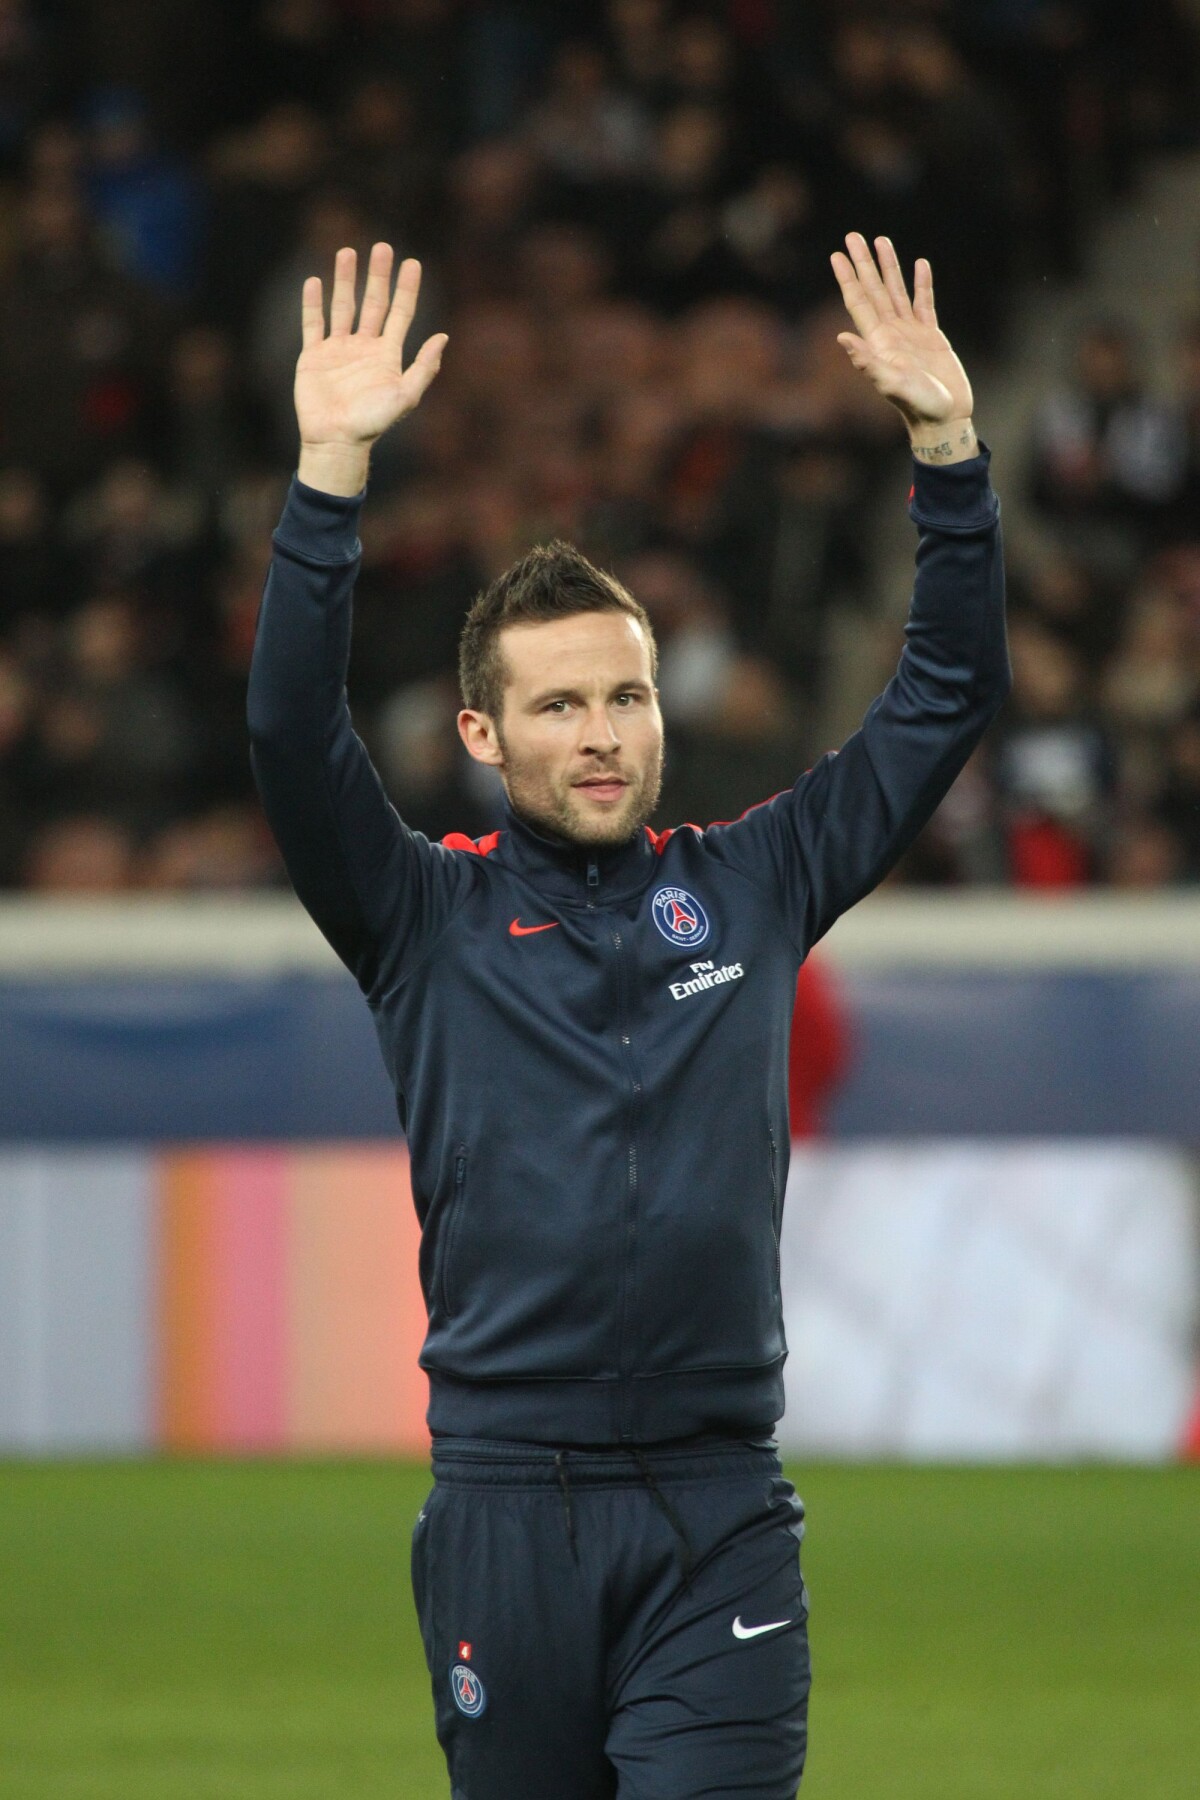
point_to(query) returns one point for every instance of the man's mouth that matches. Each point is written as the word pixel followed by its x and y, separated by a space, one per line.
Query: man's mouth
pixel 602 787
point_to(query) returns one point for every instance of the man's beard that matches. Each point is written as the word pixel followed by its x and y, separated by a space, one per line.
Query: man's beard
pixel 538 803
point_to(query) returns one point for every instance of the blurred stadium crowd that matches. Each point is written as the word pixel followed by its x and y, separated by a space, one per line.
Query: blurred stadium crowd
pixel 625 211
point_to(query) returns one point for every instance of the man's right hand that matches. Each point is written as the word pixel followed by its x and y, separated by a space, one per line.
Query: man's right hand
pixel 351 384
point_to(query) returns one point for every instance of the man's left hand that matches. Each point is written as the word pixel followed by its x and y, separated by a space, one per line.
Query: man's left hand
pixel 899 345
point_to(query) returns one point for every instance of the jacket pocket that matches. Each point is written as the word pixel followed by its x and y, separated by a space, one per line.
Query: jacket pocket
pixel 449 1232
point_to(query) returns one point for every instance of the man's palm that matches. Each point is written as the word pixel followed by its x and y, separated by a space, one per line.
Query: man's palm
pixel 352 384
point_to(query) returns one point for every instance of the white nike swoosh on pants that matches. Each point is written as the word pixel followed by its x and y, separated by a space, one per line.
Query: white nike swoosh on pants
pixel 749 1631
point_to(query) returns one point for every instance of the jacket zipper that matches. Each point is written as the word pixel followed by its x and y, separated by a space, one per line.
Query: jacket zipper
pixel 630 1222
pixel 450 1228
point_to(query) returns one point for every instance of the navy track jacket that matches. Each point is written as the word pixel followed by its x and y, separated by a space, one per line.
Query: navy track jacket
pixel 589 1051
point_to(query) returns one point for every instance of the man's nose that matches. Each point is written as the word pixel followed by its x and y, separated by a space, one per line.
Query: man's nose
pixel 599 732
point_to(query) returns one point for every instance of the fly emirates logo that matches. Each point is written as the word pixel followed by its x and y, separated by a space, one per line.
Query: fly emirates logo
pixel 704 975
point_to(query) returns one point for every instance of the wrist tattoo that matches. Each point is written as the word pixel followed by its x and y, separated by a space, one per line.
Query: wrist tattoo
pixel 935 453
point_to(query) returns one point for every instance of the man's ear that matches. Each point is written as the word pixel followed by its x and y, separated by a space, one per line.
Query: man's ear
pixel 479 734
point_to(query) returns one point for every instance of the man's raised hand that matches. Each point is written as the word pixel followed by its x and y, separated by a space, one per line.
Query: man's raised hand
pixel 899 346
pixel 351 383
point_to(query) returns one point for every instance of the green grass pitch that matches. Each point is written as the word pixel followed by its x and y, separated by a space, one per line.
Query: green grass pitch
pixel 175 1631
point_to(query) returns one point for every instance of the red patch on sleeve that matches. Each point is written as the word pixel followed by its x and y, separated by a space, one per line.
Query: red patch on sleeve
pixel 458 840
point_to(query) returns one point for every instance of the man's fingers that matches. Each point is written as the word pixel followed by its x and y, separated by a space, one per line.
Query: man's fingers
pixel 404 300
pixel 857 304
pixel 868 275
pixel 424 366
pixel 312 312
pixel 377 291
pixel 923 305
pixel 341 308
pixel 893 276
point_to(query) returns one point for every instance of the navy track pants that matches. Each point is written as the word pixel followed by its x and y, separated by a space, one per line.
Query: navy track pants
pixel 624 1622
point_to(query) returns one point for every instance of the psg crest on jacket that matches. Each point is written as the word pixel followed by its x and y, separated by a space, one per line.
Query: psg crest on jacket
pixel 680 917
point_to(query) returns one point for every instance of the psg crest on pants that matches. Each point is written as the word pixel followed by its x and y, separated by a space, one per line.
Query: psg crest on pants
pixel 467 1689
pixel 680 917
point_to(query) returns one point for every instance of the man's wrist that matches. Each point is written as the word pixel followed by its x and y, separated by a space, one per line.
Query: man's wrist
pixel 339 469
pixel 944 442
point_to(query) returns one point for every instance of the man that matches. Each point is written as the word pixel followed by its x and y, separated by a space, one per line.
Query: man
pixel 587 1024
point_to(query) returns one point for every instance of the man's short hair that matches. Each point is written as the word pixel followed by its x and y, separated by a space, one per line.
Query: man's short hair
pixel 552 581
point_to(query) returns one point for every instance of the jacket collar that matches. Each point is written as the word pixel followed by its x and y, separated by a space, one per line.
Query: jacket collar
pixel 596 877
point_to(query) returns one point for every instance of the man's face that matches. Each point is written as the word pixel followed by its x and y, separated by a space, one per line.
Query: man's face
pixel 579 742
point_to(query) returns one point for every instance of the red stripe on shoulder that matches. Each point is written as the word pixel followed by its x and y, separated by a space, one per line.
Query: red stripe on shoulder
pixel 749 810
pixel 458 840
pixel 660 839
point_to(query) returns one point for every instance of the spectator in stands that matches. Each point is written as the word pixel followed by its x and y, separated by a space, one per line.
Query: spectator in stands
pixel 207 425
pixel 146 204
pixel 418 577
pixel 1178 798
pixel 1144 854
pixel 382 154
pixel 16 711
pixel 27 76
pixel 1053 765
pixel 31 560
pixel 131 534
pixel 589 134
pixel 259 181
pixel 224 848
pixel 1152 682
pixel 78 342
pixel 110 736
pixel 494 192
pixel 86 854
pixel 637 31
pixel 733 728
pixel 966 203
pixel 1183 508
pixel 680 254
pixel 296 47
pixel 328 218
pixel 421 758
pixel 1072 600
pixel 774 241
pixel 1106 454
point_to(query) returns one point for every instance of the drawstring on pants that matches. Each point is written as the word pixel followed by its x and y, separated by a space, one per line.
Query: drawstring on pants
pixel 686 1554
pixel 560 1464
pixel 687 1557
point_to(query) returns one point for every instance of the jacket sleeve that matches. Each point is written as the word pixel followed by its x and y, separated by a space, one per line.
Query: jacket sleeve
pixel 827 841
pixel 379 892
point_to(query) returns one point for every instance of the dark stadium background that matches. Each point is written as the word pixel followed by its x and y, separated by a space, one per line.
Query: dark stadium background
pixel 625 214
